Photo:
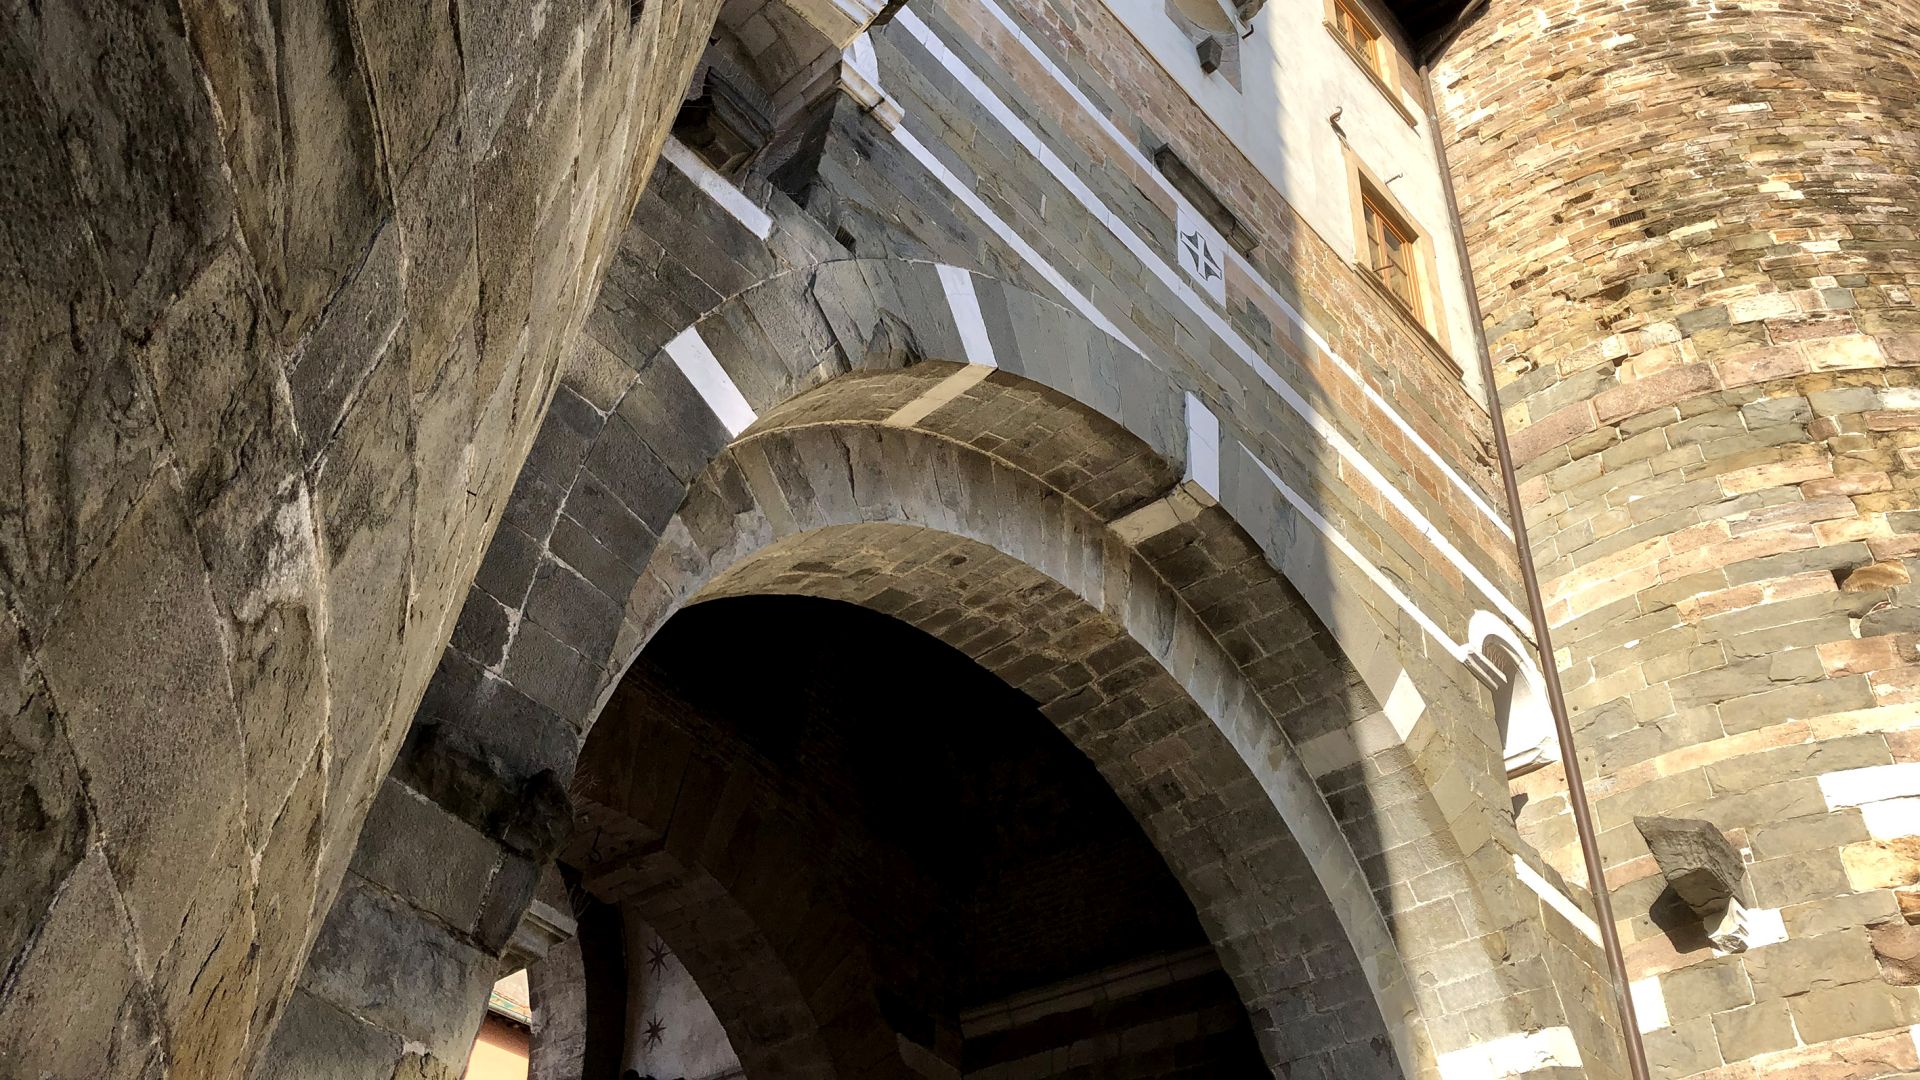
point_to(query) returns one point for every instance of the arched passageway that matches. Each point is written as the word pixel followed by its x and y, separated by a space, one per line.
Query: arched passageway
pixel 876 858
pixel 1042 518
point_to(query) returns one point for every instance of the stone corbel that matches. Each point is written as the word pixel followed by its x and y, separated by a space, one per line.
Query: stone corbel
pixel 859 78
pixel 1705 871
pixel 543 927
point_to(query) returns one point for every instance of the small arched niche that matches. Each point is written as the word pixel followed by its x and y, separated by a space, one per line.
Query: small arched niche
pixel 1521 712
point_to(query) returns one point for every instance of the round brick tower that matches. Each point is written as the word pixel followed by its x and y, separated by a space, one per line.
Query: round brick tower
pixel 1693 227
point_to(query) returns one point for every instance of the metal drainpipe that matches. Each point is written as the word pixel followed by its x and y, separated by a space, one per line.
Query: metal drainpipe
pixel 1536 610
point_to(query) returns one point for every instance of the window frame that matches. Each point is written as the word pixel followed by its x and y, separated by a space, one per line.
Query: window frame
pixel 1378 222
pixel 1424 310
pixel 1347 17
pixel 1380 60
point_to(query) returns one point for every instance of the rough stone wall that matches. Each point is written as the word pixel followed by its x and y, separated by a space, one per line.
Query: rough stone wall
pixel 283 286
pixel 1693 229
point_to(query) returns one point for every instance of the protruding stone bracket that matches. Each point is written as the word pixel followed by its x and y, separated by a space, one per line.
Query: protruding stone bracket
pixel 1500 660
pixel 1705 871
pixel 543 927
pixel 859 78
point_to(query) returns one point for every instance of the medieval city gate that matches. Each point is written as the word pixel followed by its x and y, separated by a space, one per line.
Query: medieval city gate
pixel 856 383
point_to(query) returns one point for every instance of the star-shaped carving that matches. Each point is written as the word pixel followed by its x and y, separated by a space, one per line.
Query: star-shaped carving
pixel 1200 254
pixel 657 957
pixel 656 1032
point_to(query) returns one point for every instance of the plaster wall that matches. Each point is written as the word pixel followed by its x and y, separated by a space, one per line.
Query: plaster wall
pixel 1293 75
pixel 671 1029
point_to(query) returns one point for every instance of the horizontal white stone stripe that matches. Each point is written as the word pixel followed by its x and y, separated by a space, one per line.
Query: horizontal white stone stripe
pixel 1026 251
pixel 1323 426
pixel 1512 1055
pixel 1557 900
pixel 718 188
pixel 1764 926
pixel 690 353
pixel 937 395
pixel 967 319
pixel 1128 147
pixel 1872 784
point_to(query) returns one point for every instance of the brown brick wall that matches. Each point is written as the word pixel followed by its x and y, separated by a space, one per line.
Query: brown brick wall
pixel 1693 229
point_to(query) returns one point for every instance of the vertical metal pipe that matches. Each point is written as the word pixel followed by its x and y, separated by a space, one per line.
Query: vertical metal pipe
pixel 1536 610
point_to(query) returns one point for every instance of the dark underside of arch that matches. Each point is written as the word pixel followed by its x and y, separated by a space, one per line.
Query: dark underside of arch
pixel 903 842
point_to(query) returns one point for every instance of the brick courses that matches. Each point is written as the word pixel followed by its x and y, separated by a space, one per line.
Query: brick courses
pixel 1694 236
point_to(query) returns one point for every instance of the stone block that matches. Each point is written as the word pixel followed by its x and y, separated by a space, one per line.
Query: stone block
pixel 318 1041
pixel 1696 859
pixel 364 497
pixel 140 135
pixel 389 964
pixel 1685 1048
pixel 1709 986
pixel 76 1006
pixel 1756 1029
pixel 44 829
pixel 477 741
pixel 1796 966
pixel 138 663
pixel 302 146
pixel 1896 945
pixel 284 915
pixel 1823 1015
pixel 419 852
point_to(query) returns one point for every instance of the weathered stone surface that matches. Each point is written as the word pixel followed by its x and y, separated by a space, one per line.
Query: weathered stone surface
pixel 44 821
pixel 301 145
pixel 417 1066
pixel 138 133
pixel 76 1006
pixel 1794 967
pixel 404 823
pixel 356 334
pixel 385 963
pixel 413 65
pixel 285 918
pixel 209 979
pixel 364 495
pixel 1683 1049
pixel 1896 945
pixel 1695 858
pixel 1756 1029
pixel 232 429
pixel 85 440
pixel 320 1041
pixel 1851 1010
pixel 137 665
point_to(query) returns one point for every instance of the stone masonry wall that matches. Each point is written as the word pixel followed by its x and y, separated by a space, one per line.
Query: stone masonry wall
pixel 1693 229
pixel 283 286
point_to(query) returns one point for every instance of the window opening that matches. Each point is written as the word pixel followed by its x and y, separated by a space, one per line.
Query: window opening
pixel 1390 245
pixel 1359 33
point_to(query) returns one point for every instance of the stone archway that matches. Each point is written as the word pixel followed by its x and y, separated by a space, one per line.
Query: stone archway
pixel 824 399
pixel 850 834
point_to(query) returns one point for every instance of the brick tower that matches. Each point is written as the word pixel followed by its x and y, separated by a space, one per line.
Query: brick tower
pixel 1693 227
